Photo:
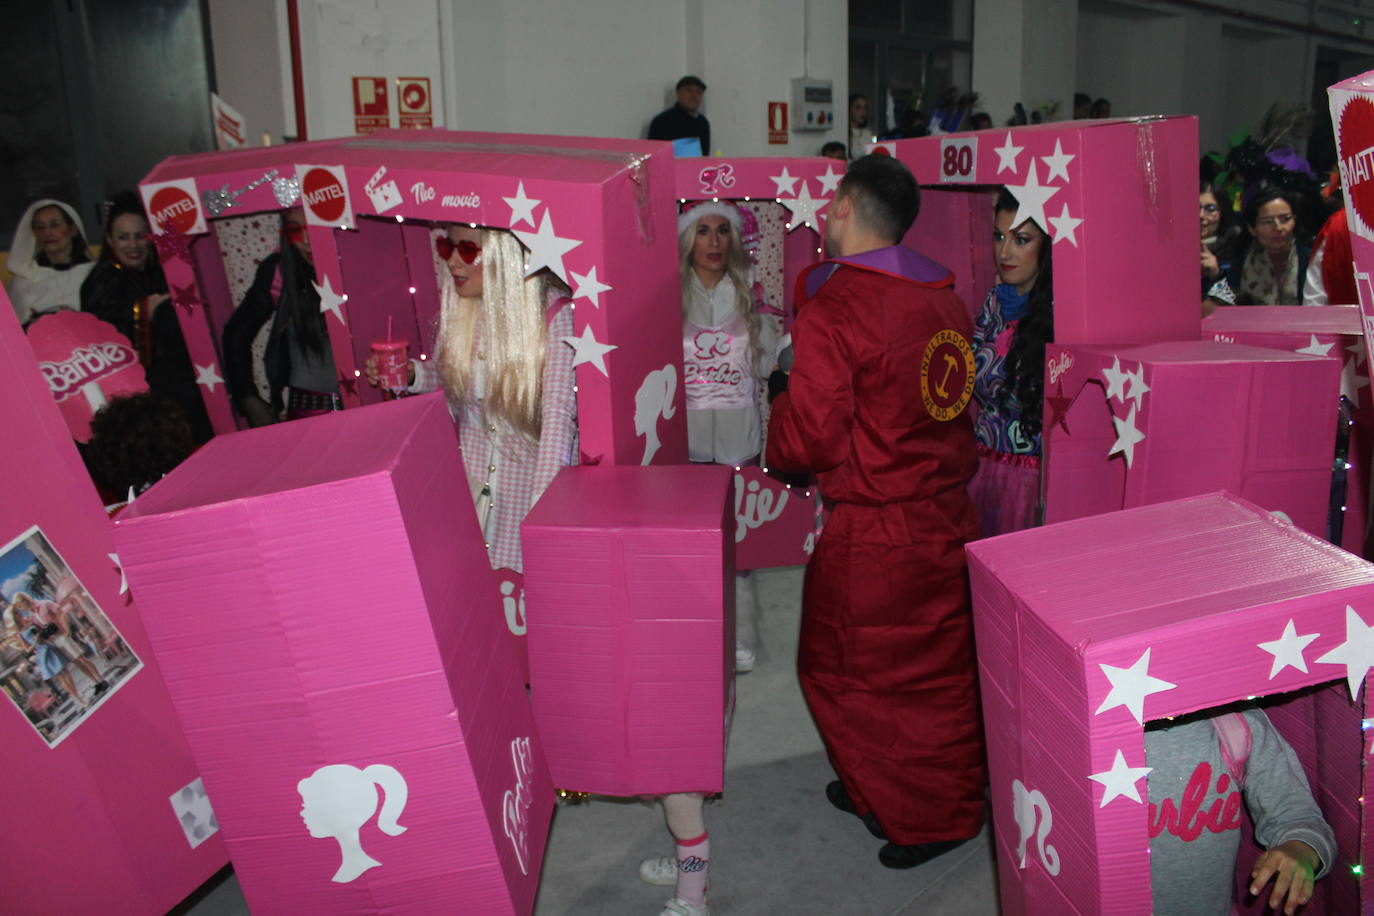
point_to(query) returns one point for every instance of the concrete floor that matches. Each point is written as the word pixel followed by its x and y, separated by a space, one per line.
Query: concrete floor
pixel 777 846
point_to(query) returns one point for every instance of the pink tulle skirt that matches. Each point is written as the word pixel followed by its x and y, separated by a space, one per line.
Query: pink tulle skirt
pixel 1005 491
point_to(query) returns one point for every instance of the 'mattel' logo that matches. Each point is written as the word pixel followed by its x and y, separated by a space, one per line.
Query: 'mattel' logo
pixel 324 194
pixel 173 209
pixel 1356 160
pixel 86 365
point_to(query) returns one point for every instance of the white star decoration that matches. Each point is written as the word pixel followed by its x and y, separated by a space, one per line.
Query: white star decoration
pixel 546 248
pixel 1352 381
pixel 1116 380
pixel 330 301
pixel 1356 653
pixel 803 208
pixel 830 181
pixel 786 182
pixel 1032 197
pixel 1136 382
pixel 1120 780
pixel 587 286
pixel 1065 227
pixel 1316 348
pixel 1287 649
pixel 123 578
pixel 207 376
pixel 587 349
pixel 1130 686
pixel 1058 164
pixel 1006 158
pixel 521 207
pixel 1358 349
pixel 1128 436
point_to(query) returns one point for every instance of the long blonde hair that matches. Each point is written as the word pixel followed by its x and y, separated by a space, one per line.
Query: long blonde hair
pixel 737 269
pixel 508 326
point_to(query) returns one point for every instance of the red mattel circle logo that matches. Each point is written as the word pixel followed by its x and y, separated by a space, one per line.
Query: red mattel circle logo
pixel 324 195
pixel 173 209
pixel 1357 157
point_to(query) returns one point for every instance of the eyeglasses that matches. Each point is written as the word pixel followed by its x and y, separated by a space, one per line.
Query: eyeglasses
pixel 1209 209
pixel 1273 222
pixel 293 233
pixel 470 252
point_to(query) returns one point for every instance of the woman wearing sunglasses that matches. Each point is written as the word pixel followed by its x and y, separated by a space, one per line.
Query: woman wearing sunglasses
pixel 298 354
pixel 507 375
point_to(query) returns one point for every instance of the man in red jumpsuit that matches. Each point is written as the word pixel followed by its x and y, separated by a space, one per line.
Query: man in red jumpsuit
pixel 875 405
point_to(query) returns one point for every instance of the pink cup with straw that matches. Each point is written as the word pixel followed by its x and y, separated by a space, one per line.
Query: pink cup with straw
pixel 393 362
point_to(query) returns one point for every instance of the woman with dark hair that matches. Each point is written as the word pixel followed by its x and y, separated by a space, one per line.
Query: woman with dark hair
pixel 859 131
pixel 1009 337
pixel 127 289
pixel 298 352
pixel 1221 239
pixel 49 260
pixel 1271 269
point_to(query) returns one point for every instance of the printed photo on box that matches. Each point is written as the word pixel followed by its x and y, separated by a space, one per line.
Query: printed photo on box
pixel 60 656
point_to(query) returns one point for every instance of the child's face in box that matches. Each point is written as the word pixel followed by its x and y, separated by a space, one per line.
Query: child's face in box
pixel 1017 251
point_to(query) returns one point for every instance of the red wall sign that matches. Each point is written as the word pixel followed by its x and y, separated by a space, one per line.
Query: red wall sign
pixel 777 122
pixel 371 104
pixel 414 104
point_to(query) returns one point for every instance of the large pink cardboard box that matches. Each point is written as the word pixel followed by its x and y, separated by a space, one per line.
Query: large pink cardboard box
pixel 1117 197
pixel 630 588
pixel 312 592
pixel 1088 629
pixel 1352 118
pixel 80 786
pixel 1333 331
pixel 1131 425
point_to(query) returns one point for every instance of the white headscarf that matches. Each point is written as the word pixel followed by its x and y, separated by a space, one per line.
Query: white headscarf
pixel 35 288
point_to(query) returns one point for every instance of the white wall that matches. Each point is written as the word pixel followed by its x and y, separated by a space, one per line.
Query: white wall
pixel 253 65
pixel 597 67
pixel 1024 52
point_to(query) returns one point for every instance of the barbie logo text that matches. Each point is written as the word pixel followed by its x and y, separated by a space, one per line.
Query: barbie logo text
pixel 714 178
pixel 515 807
pixel 85 365
pixel 754 506
pixel 1059 365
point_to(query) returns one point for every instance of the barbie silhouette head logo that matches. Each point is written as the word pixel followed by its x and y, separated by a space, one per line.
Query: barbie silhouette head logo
pixel 653 400
pixel 711 343
pixel 716 177
pixel 336 801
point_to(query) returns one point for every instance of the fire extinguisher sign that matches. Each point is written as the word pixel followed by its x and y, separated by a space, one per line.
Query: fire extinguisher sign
pixel 414 104
pixel 371 104
pixel 777 122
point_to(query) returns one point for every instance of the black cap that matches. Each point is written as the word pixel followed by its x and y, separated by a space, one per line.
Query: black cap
pixel 690 80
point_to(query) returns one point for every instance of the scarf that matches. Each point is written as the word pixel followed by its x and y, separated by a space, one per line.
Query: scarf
pixel 1260 286
pixel 1012 303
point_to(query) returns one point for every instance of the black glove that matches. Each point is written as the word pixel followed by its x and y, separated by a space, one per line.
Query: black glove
pixel 777 384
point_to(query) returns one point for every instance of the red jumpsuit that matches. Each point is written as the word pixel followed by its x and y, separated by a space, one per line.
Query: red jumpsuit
pixel 875 405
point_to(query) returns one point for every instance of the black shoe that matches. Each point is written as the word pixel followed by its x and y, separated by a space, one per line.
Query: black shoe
pixel 835 793
pixel 100 688
pixel 894 856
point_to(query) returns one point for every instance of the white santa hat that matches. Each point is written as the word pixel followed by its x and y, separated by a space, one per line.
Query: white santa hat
pixel 690 215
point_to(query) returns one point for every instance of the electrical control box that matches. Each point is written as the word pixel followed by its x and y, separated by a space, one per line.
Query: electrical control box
pixel 813 104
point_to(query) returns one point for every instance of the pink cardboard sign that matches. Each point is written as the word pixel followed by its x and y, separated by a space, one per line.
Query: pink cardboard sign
pixel 628 567
pixel 1116 196
pixel 80 784
pixel 1088 629
pixel 1132 425
pixel 1333 331
pixel 345 683
pixel 1352 118
pixel 85 362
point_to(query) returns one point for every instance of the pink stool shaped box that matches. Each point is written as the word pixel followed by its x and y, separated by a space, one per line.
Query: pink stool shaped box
pixel 1333 331
pixel 1090 628
pixel 313 591
pixel 1127 426
pixel 630 588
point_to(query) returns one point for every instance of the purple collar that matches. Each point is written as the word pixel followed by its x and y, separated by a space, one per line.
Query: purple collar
pixel 895 261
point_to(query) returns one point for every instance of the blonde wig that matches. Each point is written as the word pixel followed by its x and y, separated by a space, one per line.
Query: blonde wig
pixel 506 328
pixel 736 268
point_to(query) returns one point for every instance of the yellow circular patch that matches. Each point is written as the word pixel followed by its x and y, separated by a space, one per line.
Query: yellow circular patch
pixel 947 371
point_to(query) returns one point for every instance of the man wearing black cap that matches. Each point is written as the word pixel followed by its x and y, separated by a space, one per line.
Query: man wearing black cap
pixel 685 118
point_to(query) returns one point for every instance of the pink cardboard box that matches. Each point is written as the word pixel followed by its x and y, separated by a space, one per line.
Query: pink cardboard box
pixel 1088 629
pixel 1352 118
pixel 314 591
pixel 1333 331
pixel 630 582
pixel 1117 197
pixel 104 808
pixel 1131 425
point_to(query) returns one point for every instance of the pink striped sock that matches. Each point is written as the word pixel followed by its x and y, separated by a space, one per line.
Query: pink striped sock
pixel 693 863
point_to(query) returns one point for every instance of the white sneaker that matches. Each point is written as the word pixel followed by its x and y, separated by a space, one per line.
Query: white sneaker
pixel 744 659
pixel 679 907
pixel 660 871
